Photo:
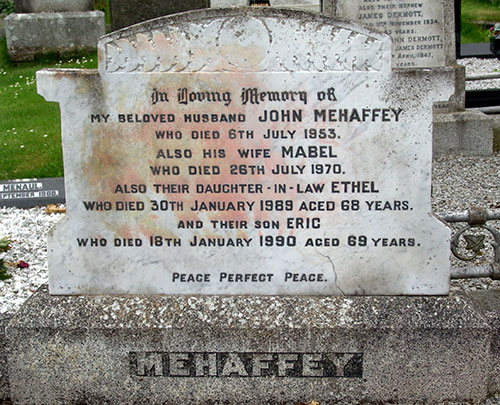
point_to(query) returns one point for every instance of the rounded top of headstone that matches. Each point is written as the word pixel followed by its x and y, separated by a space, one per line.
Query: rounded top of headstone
pixel 52 6
pixel 245 39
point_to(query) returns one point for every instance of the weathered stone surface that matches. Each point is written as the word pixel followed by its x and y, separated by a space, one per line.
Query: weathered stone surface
pixel 129 12
pixel 52 6
pixel 342 180
pixel 423 32
pixel 124 350
pixel 456 102
pixel 488 303
pixel 4 372
pixel 467 132
pixel 38 33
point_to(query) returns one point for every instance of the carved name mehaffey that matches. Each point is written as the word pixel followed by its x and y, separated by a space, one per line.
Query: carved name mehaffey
pixel 247 151
pixel 244 365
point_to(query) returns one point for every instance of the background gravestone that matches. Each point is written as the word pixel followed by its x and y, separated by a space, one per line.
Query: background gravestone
pixel 27 193
pixel 423 35
pixel 422 31
pixel 311 5
pixel 129 12
pixel 52 26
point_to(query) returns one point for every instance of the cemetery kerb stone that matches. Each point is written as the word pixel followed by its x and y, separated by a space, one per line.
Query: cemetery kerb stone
pixel 128 12
pixel 331 149
pixel 197 162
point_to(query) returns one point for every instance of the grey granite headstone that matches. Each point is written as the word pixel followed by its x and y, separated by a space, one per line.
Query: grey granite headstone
pixel 29 193
pixel 423 34
pixel 230 151
pixel 31 34
pixel 129 12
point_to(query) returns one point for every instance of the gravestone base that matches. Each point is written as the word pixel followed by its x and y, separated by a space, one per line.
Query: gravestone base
pixel 194 349
pixel 489 304
pixel 4 372
pixel 464 133
pixel 31 34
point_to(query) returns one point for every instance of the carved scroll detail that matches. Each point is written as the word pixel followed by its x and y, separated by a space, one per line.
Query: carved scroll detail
pixel 195 47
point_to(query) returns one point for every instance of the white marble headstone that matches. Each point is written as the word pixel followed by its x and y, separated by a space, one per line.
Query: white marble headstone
pixel 420 37
pixel 247 151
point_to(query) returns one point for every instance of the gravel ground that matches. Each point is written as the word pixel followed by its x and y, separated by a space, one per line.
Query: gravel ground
pixel 28 229
pixel 476 66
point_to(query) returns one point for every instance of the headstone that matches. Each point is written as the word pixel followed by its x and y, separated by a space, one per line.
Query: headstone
pixel 52 26
pixel 27 193
pixel 240 128
pixel 129 12
pixel 423 34
pixel 422 31
pixel 52 6
pixel 31 34
pixel 225 154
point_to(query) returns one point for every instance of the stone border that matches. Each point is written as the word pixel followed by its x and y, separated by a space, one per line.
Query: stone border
pixel 103 349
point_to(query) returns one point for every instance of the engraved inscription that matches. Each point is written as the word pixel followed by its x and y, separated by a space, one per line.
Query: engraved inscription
pixel 246 364
pixel 25 193
pixel 288 162
pixel 416 28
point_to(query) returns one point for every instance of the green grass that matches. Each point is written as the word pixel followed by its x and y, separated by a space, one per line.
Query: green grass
pixel 478 10
pixel 103 5
pixel 496 139
pixel 30 128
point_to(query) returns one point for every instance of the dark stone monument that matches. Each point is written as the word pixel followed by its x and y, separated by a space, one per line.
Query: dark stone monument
pixel 27 193
pixel 129 12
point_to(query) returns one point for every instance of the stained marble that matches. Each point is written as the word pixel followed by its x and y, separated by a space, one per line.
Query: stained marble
pixel 247 151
